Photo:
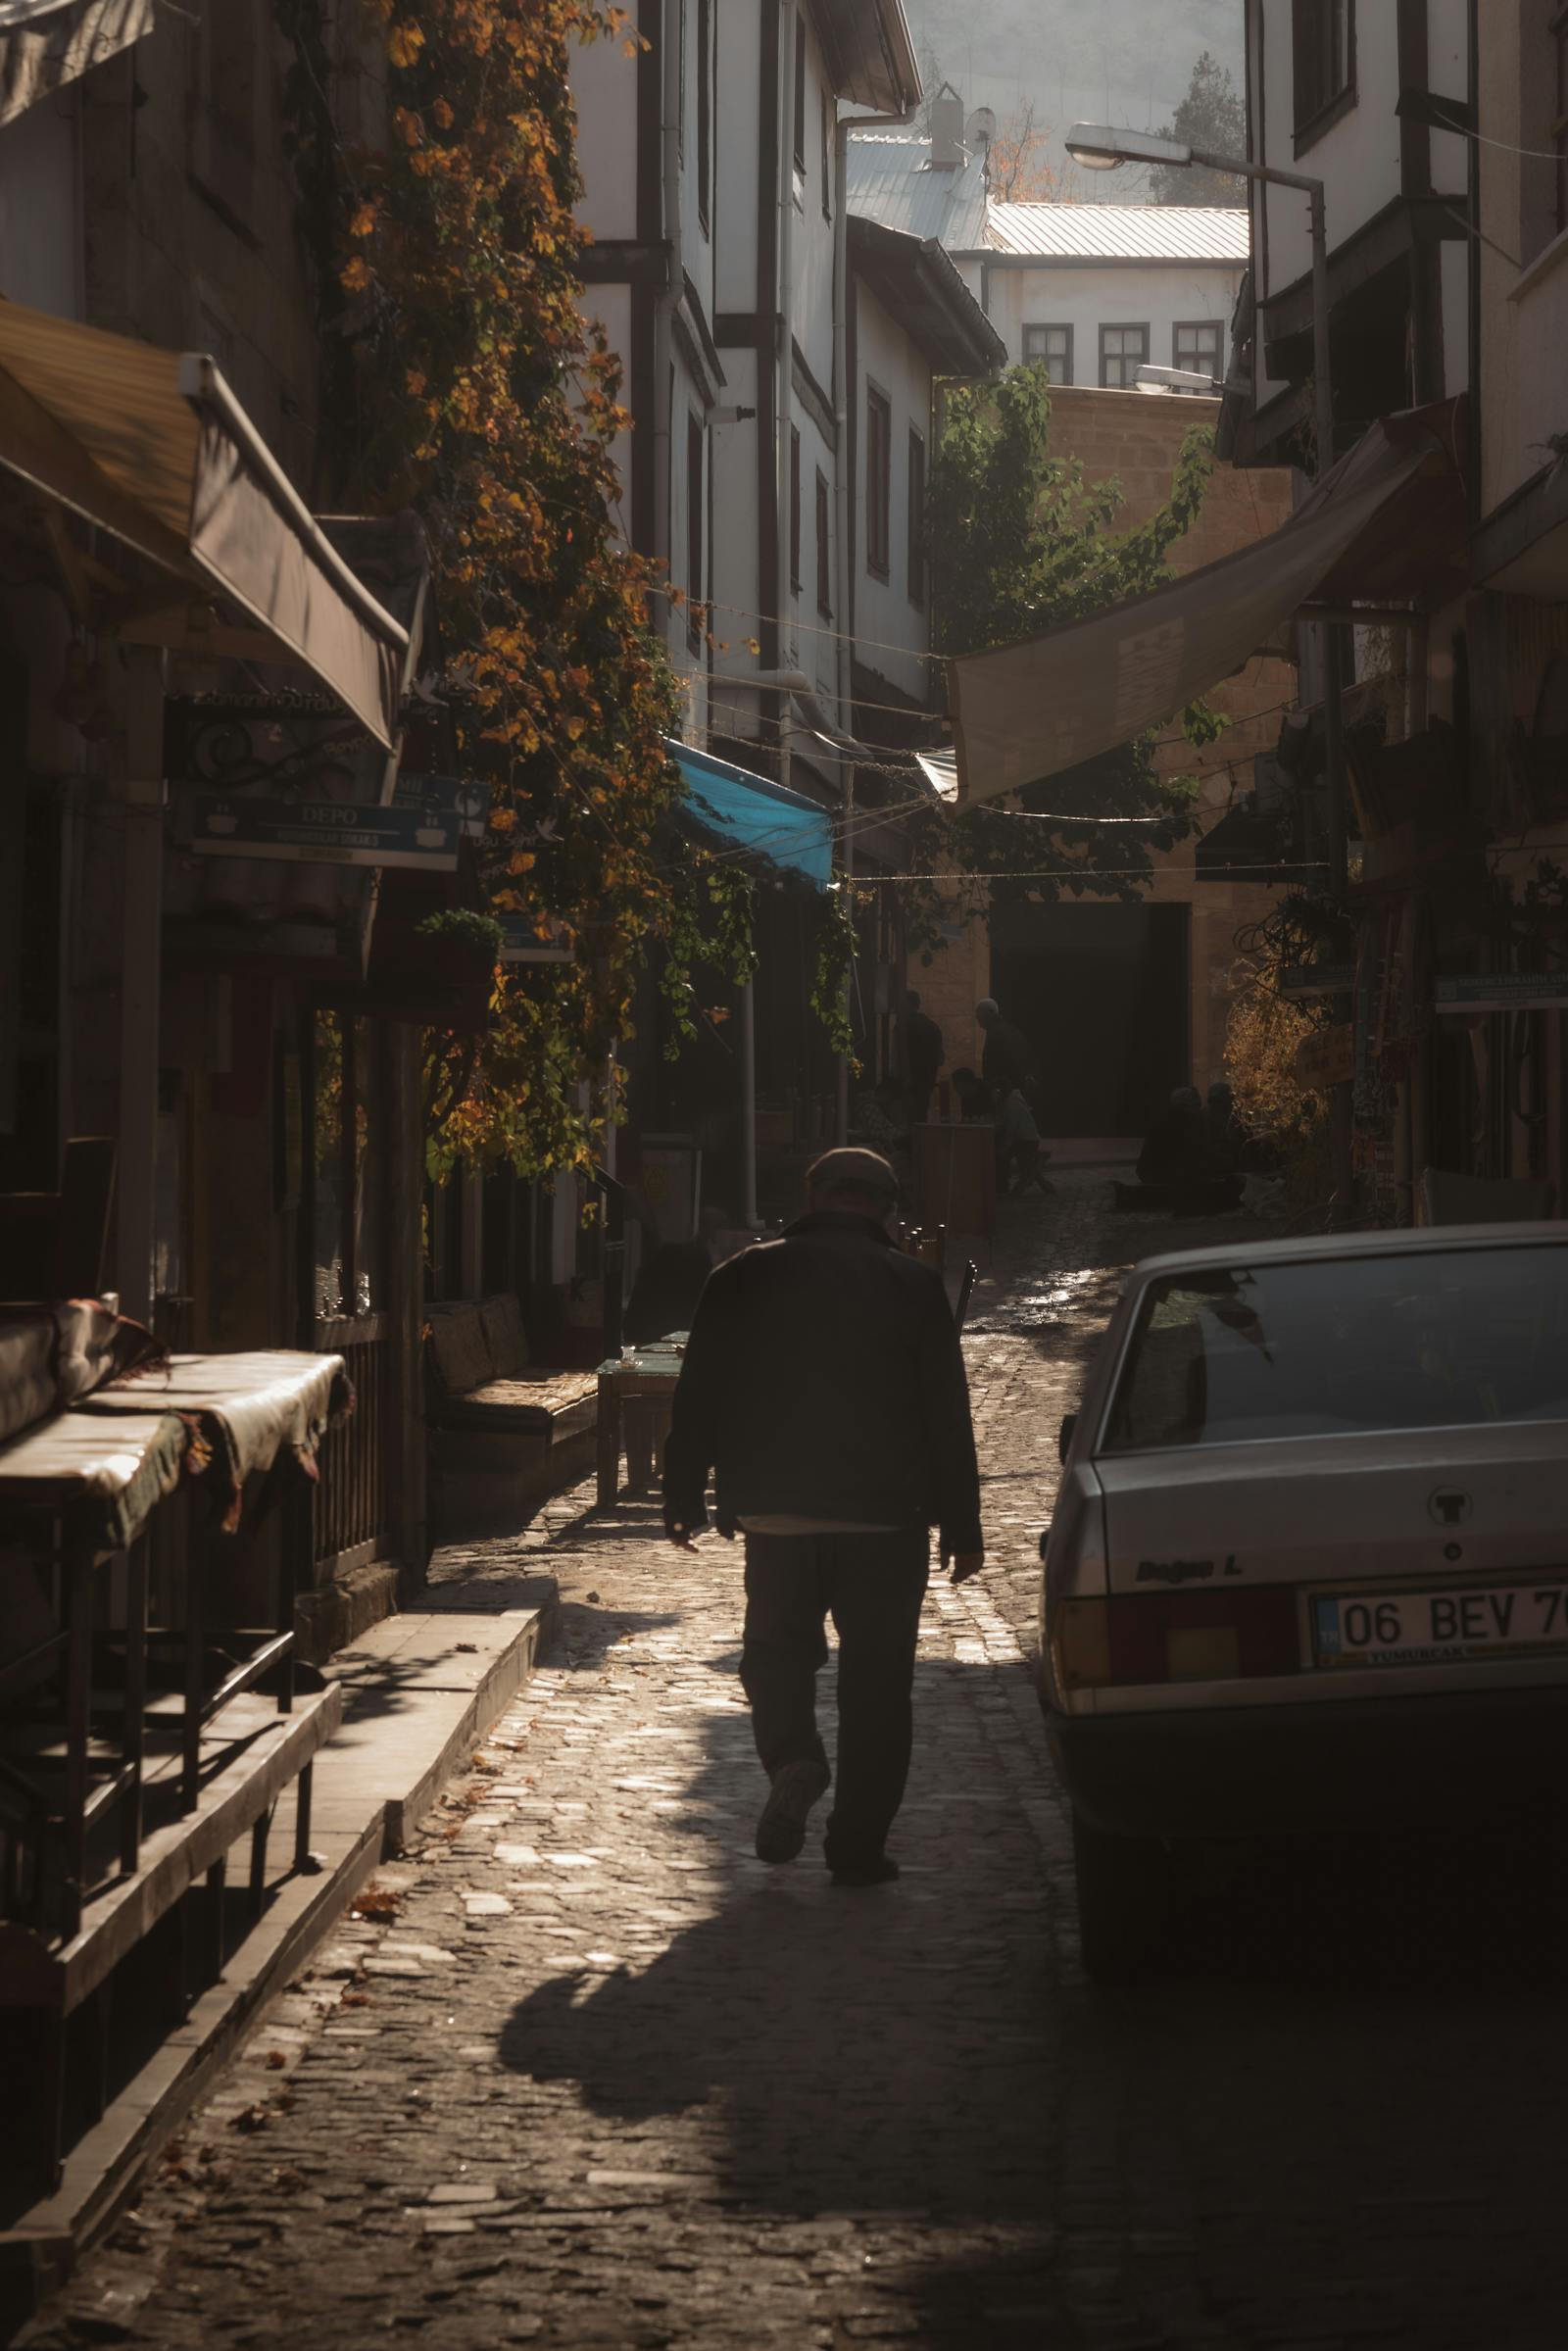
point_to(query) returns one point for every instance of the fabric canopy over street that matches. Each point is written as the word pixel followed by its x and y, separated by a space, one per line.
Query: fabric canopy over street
pixel 1387 522
pixel 756 818
pixel 44 44
pixel 153 448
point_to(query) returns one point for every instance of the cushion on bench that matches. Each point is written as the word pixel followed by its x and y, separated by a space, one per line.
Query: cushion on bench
pixel 458 1351
pixel 480 1378
pixel 508 1340
pixel 553 1403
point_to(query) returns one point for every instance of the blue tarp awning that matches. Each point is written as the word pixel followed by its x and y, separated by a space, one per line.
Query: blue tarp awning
pixel 749 813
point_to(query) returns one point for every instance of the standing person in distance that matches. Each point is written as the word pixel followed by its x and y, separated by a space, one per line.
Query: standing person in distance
pixel 824 1386
pixel 923 1055
pixel 1005 1060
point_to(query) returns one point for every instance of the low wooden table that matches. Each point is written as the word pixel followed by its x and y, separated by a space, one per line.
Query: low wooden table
pixel 640 1385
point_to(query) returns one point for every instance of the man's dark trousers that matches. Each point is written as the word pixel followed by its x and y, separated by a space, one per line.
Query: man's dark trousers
pixel 872 1586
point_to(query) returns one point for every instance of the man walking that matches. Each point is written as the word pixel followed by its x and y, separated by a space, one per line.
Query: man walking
pixel 824 1386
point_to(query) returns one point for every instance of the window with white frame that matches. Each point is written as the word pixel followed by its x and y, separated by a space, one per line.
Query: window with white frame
pixel 696 531
pixel 1543 128
pixel 916 581
pixel 878 481
pixel 1323 57
pixel 705 110
pixel 1123 350
pixel 1198 344
pixel 1559 127
pixel 795 509
pixel 1050 348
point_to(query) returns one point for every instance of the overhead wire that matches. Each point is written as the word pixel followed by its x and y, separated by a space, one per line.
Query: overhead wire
pixel 1103 873
pixel 905 752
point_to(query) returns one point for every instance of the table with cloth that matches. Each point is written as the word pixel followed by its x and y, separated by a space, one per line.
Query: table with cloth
pixel 80 1488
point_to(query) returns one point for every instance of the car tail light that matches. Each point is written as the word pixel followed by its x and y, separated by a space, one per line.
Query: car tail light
pixel 1177 1636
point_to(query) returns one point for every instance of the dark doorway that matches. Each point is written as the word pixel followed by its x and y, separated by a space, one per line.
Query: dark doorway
pixel 1100 993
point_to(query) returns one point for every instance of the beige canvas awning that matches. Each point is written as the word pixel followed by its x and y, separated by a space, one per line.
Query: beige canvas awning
pixel 45 44
pixel 152 447
pixel 1385 523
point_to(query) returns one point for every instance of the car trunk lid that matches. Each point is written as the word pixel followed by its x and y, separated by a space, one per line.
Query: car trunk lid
pixel 1357 1509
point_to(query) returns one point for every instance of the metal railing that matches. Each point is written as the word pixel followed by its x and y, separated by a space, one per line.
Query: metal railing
pixel 354 1508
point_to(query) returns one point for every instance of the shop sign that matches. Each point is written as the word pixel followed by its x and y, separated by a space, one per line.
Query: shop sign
pixel 462 796
pixel 1327 1058
pixel 1502 992
pixel 328 832
pixel 1297 980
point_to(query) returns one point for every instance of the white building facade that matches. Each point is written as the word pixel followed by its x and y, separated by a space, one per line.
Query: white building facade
pixel 648 150
pixel 1091 291
pixel 713 165
pixel 1096 291
pixel 1325 81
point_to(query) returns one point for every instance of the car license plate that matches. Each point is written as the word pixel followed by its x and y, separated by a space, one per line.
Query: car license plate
pixel 1433 1627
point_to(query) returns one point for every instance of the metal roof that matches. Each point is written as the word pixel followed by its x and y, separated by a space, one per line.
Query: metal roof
pixel 1100 233
pixel 920 286
pixel 891 181
pixel 871 51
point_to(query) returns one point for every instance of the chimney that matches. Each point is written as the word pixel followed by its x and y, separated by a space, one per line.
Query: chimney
pixel 948 150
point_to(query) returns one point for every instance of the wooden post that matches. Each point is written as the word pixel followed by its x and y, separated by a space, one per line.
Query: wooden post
pixel 135 1707
pixel 141 992
pixel 347 1146
pixel 305 1250
pixel 402 1142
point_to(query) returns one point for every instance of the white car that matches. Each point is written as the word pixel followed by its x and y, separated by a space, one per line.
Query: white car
pixel 1308 1569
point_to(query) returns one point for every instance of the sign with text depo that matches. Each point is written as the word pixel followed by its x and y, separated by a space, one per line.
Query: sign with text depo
pixel 330 832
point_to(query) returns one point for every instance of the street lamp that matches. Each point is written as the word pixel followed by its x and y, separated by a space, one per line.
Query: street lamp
pixel 1190 381
pixel 1100 148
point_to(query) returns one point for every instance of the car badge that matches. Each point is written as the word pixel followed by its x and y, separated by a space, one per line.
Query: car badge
pixel 1448 1506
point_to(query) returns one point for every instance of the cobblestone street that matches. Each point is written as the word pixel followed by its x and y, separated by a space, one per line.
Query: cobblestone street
pixel 587 2074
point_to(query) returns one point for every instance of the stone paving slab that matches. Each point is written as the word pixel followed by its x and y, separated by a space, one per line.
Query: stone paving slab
pixel 583 2073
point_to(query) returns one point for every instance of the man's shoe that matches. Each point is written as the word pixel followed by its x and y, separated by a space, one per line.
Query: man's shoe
pixel 781 1823
pixel 880 1871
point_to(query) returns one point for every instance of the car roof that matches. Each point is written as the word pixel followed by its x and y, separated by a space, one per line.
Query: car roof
pixel 1398 1241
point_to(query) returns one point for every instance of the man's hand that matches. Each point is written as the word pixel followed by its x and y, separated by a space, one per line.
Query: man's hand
pixel 967 1564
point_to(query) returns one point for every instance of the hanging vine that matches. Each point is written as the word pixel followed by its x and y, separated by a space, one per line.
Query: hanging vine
pixel 836 946
pixel 710 928
pixel 477 394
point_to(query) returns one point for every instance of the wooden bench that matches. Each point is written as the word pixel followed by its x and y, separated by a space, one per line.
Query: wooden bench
pixel 504 1433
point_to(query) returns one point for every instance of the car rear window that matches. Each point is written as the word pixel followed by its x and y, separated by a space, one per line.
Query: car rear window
pixel 1433 1338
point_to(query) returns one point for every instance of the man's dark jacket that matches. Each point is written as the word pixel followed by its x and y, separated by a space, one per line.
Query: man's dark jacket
pixel 824 1379
pixel 923 1048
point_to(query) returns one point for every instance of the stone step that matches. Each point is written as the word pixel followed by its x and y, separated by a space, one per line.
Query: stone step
pixel 420 1690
